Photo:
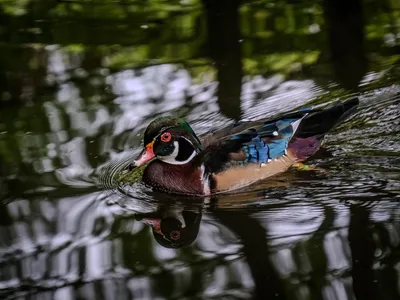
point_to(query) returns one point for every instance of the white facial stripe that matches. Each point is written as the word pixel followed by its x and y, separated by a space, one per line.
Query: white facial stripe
pixel 171 159
pixel 177 214
pixel 176 162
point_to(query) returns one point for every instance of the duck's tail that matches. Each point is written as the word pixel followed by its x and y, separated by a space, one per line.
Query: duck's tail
pixel 318 122
pixel 313 127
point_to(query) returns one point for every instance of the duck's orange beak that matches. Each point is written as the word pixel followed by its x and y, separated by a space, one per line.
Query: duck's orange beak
pixel 154 223
pixel 145 156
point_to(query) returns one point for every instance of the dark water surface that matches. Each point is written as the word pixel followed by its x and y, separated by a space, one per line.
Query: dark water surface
pixel 80 81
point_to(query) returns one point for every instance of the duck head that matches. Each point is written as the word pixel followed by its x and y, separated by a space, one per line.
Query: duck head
pixel 170 140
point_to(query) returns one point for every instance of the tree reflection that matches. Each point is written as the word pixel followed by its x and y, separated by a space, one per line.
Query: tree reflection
pixel 256 251
pixel 224 48
pixel 346 33
pixel 362 247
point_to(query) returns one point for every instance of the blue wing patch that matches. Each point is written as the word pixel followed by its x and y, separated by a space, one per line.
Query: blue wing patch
pixel 257 151
pixel 268 142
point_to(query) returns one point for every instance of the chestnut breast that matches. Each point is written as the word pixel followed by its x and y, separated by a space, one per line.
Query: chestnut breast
pixel 181 179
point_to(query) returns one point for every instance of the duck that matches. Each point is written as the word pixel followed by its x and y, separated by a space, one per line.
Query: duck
pixel 177 161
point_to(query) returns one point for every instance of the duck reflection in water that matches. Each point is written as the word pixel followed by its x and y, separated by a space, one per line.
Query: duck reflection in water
pixel 173 227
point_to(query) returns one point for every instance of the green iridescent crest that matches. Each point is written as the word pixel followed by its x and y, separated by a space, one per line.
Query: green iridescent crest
pixel 177 125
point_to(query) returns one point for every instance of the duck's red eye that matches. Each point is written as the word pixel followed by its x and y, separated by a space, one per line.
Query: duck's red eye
pixel 175 235
pixel 166 137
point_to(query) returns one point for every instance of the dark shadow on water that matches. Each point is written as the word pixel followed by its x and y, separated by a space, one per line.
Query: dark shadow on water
pixel 346 35
pixel 362 252
pixel 365 238
pixel 5 218
pixel 256 251
pixel 224 48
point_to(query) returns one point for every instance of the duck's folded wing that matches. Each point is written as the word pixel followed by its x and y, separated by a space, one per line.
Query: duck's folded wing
pixel 263 141
pixel 243 126
pixel 258 144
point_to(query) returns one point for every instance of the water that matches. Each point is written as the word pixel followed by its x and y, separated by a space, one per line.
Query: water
pixel 80 82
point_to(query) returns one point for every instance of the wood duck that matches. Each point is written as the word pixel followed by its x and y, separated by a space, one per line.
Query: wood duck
pixel 179 162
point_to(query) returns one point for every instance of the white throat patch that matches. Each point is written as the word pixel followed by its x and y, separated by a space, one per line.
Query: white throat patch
pixel 204 178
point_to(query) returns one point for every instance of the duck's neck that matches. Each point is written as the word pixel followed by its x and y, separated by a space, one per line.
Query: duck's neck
pixel 188 179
